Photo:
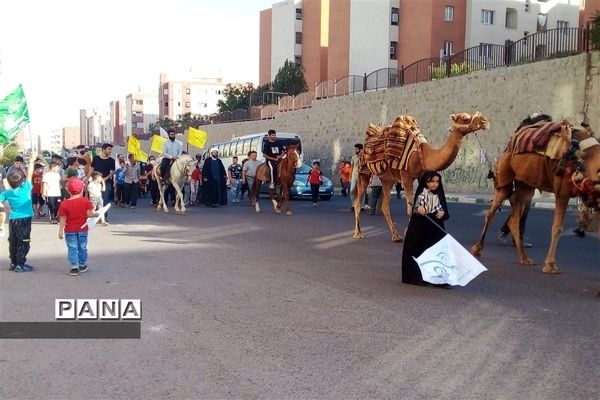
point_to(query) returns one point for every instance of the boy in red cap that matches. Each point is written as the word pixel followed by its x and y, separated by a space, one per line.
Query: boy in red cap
pixel 73 214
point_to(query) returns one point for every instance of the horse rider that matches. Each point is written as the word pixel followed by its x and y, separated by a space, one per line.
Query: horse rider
pixel 172 149
pixel 273 152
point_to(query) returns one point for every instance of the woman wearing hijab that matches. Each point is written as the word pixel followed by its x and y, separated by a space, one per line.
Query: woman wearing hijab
pixel 428 215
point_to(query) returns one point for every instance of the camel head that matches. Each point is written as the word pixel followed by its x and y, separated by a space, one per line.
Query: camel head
pixel 465 123
pixel 586 152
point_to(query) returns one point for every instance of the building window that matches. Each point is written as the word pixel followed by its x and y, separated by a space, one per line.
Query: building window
pixel 542 22
pixel 298 59
pixel 485 50
pixel 527 4
pixel 395 15
pixel 187 91
pixel 298 37
pixel 139 102
pixel 166 104
pixel 487 17
pixel 187 104
pixel 393 46
pixel 299 14
pixel 511 18
pixel 563 26
pixel 449 13
pixel 178 104
pixel 447 48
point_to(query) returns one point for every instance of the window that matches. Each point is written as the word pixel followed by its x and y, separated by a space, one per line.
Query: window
pixel 393 46
pixel 511 18
pixel 166 104
pixel 187 104
pixel 447 48
pixel 487 17
pixel 246 146
pixel 299 14
pixel 527 4
pixel 449 13
pixel 485 50
pixel 562 25
pixel 139 102
pixel 187 91
pixel 298 59
pixel 395 15
pixel 178 104
pixel 542 22
pixel 298 37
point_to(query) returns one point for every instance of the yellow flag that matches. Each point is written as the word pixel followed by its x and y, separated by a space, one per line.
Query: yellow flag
pixel 157 143
pixel 141 155
pixel 196 137
pixel 133 145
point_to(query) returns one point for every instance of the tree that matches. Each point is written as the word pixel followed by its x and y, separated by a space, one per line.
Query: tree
pixel 290 79
pixel 595 30
pixel 236 98
pixel 8 153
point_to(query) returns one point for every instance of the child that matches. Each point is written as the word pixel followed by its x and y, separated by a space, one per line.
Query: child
pixel 73 214
pixel 314 178
pixel 429 213
pixel 120 178
pixel 95 189
pixel 195 185
pixel 19 221
pixel 51 191
pixel 36 192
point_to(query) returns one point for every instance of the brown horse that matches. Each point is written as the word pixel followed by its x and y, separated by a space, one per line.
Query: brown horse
pixel 286 171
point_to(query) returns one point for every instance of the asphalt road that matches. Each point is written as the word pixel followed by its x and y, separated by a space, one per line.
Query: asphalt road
pixel 239 305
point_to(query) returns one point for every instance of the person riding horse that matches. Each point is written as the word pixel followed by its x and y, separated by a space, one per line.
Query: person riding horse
pixel 273 152
pixel 172 149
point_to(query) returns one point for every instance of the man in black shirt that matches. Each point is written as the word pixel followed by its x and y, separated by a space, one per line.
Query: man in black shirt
pixel 273 152
pixel 105 164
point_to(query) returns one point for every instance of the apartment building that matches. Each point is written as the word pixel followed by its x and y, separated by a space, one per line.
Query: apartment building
pixel 496 21
pixel 117 119
pixel 70 137
pixel 141 109
pixel 335 38
pixel 588 8
pixel 94 127
pixel 178 96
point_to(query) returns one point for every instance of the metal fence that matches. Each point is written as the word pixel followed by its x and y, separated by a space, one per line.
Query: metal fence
pixel 554 43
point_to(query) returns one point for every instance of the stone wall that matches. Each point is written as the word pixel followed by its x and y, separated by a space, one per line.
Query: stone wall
pixel 329 129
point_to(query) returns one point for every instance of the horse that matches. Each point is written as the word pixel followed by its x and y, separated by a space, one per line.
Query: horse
pixel 180 170
pixel 286 171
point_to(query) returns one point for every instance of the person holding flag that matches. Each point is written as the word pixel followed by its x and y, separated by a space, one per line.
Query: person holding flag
pixel 426 226
pixel 171 150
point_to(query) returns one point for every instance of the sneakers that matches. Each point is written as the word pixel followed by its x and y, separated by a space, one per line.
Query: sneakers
pixel 73 271
pixel 2 233
pixel 12 267
pixel 131 206
pixel 23 268
pixel 83 268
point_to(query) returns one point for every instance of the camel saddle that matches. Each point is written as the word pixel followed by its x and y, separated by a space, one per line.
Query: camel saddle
pixel 547 137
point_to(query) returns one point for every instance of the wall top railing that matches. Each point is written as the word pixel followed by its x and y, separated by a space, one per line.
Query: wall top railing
pixel 549 44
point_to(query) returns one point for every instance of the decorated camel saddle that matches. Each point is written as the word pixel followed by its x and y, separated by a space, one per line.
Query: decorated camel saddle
pixel 538 133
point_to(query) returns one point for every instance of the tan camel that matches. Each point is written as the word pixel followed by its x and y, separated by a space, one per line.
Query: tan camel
pixel 571 169
pixel 408 162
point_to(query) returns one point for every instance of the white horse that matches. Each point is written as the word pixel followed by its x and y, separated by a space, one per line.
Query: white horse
pixel 180 170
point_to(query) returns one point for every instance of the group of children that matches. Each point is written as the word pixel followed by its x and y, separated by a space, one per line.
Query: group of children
pixel 25 195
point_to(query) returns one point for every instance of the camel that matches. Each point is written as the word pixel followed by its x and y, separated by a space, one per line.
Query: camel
pixel 408 158
pixel 568 166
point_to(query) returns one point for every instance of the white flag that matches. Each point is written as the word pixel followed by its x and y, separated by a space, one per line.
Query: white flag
pixel 92 221
pixel 163 133
pixel 448 262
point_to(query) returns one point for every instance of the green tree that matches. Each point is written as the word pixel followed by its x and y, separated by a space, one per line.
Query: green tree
pixel 236 98
pixel 595 30
pixel 290 79
pixel 8 153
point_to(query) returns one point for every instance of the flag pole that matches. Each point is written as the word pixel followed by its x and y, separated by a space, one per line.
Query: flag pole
pixel 429 218
pixel 30 138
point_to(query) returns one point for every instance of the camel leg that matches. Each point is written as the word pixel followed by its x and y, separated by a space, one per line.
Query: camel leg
pixel 522 197
pixel 499 197
pixel 562 201
pixel 179 205
pixel 407 184
pixel 361 187
pixel 385 209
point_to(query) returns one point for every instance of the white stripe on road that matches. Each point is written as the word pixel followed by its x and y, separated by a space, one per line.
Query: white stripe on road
pixel 347 239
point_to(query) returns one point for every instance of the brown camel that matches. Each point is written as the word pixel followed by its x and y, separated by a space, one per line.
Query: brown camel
pixel 409 160
pixel 568 166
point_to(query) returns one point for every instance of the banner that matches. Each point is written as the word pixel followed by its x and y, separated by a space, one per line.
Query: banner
pixel 133 145
pixel 14 114
pixel 141 155
pixel 448 262
pixel 196 137
pixel 157 143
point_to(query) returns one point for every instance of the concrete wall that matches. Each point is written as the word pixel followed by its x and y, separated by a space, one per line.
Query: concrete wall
pixel 331 127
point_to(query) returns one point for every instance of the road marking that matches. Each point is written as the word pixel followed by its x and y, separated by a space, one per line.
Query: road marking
pixel 349 239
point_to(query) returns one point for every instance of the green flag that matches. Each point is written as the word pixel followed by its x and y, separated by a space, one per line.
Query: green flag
pixel 13 115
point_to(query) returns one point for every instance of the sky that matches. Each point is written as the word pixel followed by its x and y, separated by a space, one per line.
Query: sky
pixel 80 54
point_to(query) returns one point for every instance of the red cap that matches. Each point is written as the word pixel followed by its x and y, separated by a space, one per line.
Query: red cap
pixel 75 186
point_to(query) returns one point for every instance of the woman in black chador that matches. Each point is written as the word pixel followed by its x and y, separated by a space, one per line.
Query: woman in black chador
pixel 422 232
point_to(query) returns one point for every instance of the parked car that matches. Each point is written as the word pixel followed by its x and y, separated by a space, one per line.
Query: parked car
pixel 301 187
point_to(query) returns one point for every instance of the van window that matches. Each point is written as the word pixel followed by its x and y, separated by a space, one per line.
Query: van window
pixel 239 148
pixel 254 145
pixel 246 148
pixel 227 150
